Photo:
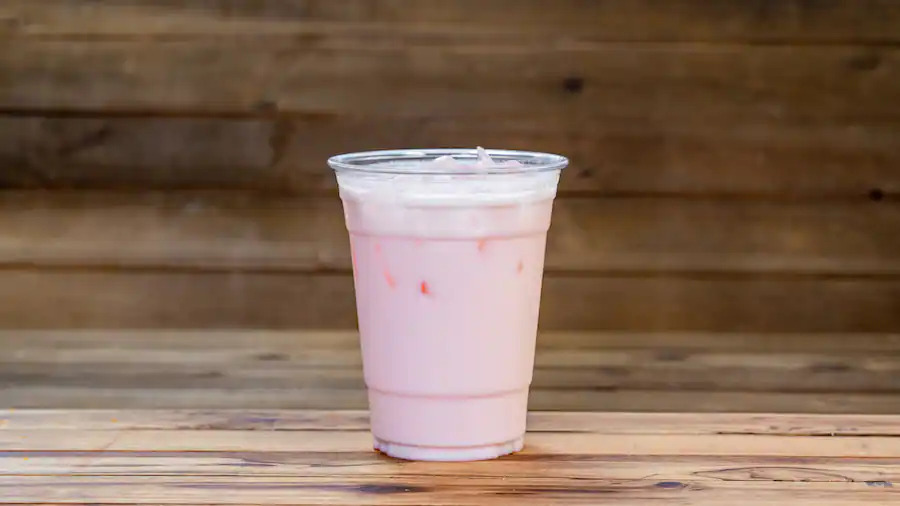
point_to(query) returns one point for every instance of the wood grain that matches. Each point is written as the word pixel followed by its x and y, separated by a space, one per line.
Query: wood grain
pixel 305 464
pixel 154 299
pixel 870 21
pixel 237 232
pixel 338 74
pixel 191 341
pixel 569 458
pixel 418 490
pixel 601 371
pixel 538 421
pixel 149 260
pixel 745 155
pixel 285 360
pixel 609 156
pixel 574 371
pixel 102 397
pixel 547 442
pixel 788 117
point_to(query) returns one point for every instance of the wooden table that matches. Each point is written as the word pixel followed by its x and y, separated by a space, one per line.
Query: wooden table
pixel 325 457
pixel 574 371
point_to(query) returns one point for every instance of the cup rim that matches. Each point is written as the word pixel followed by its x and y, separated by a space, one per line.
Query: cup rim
pixel 401 161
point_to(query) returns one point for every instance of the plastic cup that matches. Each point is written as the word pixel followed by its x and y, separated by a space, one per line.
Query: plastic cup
pixel 447 266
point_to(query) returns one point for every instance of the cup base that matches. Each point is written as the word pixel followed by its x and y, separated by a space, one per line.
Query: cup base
pixel 449 454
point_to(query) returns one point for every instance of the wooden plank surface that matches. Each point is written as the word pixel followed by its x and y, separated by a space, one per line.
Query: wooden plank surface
pixel 424 489
pixel 306 457
pixel 859 425
pixel 550 442
pixel 601 370
pixel 154 299
pixel 29 396
pixel 836 373
pixel 869 21
pixel 453 77
pixel 683 96
pixel 132 260
pixel 610 156
pixel 250 232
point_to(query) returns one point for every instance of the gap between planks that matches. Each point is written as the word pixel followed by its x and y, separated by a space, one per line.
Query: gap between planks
pixel 833 425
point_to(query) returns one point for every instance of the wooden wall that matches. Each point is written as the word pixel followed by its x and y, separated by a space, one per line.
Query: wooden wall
pixel 735 163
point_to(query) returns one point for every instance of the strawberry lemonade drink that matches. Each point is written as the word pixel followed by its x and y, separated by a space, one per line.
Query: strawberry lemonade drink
pixel 448 255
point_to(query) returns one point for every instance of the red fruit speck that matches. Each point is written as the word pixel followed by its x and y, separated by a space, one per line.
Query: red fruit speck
pixel 520 267
pixel 482 244
pixel 424 288
pixel 389 279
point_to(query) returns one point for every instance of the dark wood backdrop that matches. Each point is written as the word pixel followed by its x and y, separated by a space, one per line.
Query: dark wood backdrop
pixel 735 163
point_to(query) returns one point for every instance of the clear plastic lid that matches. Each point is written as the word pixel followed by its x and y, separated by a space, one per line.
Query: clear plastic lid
pixel 418 161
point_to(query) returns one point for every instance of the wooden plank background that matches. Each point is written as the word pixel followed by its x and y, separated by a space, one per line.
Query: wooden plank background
pixel 735 164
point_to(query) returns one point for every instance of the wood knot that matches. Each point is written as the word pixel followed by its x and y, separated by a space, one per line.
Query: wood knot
pixel 864 62
pixel 775 473
pixel 272 357
pixel 670 484
pixel 573 84
pixel 388 488
pixel 266 106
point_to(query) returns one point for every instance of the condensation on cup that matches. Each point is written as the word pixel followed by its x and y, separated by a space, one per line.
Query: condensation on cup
pixel 448 256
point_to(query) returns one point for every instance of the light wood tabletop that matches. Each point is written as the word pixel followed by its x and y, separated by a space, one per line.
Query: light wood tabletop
pixel 326 457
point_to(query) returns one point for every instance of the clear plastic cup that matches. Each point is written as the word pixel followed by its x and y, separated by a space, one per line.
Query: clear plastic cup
pixel 447 266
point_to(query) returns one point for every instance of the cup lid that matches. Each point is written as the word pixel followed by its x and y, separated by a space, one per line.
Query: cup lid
pixel 416 161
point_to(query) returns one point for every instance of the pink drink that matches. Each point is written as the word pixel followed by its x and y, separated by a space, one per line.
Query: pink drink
pixel 448 274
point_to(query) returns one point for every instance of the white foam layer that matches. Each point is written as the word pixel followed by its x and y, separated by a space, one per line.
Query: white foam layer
pixel 419 186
